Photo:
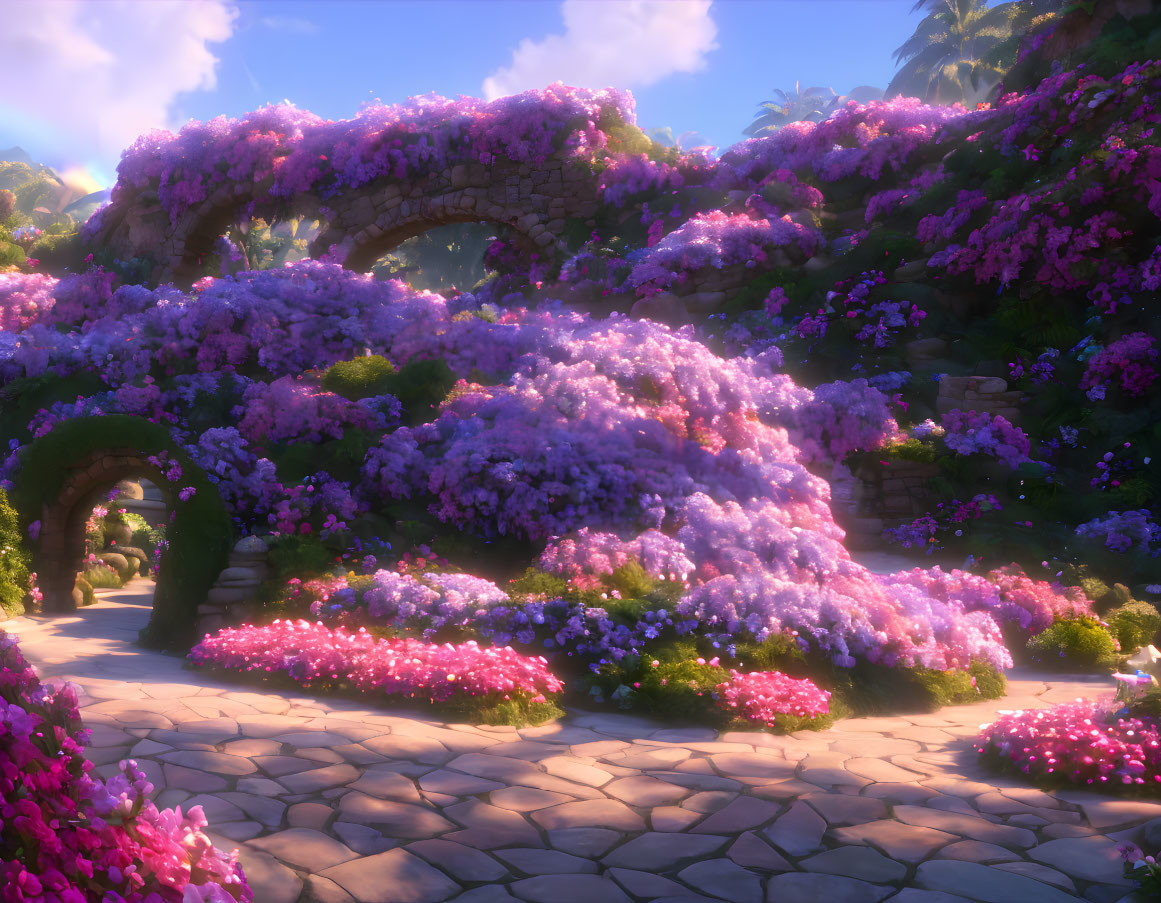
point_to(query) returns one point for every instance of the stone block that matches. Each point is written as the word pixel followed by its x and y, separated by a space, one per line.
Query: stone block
pixel 229 595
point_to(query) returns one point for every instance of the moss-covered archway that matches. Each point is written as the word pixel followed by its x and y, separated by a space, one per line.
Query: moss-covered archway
pixel 64 473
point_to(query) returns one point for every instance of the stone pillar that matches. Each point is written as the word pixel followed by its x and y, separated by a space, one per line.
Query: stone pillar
pixel 227 602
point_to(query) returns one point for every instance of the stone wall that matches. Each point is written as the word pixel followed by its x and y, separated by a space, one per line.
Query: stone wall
pixel 536 199
pixel 989 394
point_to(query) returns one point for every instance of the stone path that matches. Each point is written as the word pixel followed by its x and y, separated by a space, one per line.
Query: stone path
pixel 332 802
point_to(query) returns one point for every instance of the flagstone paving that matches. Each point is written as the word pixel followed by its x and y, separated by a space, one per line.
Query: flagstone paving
pixel 332 802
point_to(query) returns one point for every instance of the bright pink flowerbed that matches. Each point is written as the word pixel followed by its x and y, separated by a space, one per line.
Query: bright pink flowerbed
pixel 69 837
pixel 313 653
pixel 1080 742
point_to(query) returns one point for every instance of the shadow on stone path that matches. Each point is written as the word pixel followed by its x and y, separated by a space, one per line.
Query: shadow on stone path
pixel 334 802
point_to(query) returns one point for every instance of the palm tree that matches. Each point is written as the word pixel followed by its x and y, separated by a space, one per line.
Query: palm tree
pixel 951 55
pixel 796 104
pixel 813 104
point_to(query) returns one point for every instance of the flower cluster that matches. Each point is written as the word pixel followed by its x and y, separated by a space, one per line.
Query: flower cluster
pixel 762 696
pixel 1128 363
pixel 67 836
pixel 587 556
pixel 952 517
pixel 1081 742
pixel 1127 531
pixel 313 654
pixel 715 240
pixel 977 432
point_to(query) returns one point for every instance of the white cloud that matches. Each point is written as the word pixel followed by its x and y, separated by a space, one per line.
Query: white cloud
pixel 612 43
pixel 98 75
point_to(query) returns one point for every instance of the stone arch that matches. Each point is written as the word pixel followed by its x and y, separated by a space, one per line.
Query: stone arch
pixel 363 223
pixel 64 475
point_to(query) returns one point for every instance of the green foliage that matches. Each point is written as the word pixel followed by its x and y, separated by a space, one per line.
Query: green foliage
pixel 14 560
pixel 102 577
pixel 1147 705
pixel 1076 643
pixel 536 583
pixel 910 450
pixel 495 709
pixel 11 254
pixel 304 557
pixel 1134 624
pixel 7 203
pixel 870 689
pixel 88 597
pixel 363 377
pixel 677 689
pixel 420 386
pixel 58 253
pixel 200 534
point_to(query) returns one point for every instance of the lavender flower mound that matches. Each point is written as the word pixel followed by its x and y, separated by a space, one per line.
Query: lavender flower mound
pixel 612 425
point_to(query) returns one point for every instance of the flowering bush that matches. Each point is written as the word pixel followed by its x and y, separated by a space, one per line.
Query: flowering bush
pixel 976 432
pixel 715 240
pixel 68 836
pixel 1081 743
pixel 1129 531
pixel 1127 363
pixel 315 655
pixel 950 518
pixel 772 699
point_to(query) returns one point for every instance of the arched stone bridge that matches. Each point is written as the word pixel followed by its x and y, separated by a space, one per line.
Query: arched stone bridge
pixel 363 223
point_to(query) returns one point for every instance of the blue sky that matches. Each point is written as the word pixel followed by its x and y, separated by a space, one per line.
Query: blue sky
pixel 693 65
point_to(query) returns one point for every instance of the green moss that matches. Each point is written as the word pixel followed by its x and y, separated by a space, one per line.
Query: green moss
pixel 535 582
pixel 1134 624
pixel 364 377
pixel 1077 643
pixel 88 597
pixel 200 534
pixel 910 450
pixel 14 560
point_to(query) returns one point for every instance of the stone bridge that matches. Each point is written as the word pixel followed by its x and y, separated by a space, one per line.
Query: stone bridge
pixel 363 223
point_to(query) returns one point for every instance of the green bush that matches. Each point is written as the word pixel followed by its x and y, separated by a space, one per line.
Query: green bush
pixel 102 576
pixel 363 377
pixel 1079 643
pixel 14 560
pixel 88 597
pixel 420 386
pixel 1134 624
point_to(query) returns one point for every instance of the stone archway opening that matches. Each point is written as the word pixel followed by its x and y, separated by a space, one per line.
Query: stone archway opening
pixel 124 536
pixel 68 526
pixel 443 259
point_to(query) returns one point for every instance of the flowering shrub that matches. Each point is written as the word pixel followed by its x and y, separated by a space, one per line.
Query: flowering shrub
pixel 68 836
pixel 1075 643
pixel 588 556
pixel 315 655
pixel 1082 742
pixel 1129 531
pixel 1127 363
pixel 950 518
pixel 1008 594
pixel 715 240
pixel 976 432
pixel 771 698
